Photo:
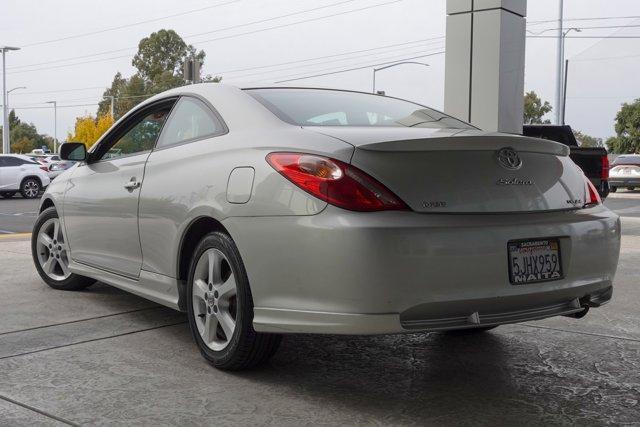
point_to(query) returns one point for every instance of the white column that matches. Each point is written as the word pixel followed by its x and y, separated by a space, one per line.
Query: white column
pixel 484 74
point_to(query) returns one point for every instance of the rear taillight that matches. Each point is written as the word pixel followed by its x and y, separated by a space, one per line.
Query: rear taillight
pixel 604 171
pixel 592 196
pixel 335 182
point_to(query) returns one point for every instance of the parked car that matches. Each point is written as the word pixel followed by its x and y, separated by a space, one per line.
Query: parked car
pixel 592 160
pixel 264 211
pixel 20 173
pixel 55 168
pixel 625 172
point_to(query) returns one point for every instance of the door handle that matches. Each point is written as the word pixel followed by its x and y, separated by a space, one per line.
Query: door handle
pixel 132 185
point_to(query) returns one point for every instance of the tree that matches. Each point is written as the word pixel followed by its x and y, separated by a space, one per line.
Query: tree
pixel 627 139
pixel 163 51
pixel 585 140
pixel 159 63
pixel 24 136
pixel 89 129
pixel 535 109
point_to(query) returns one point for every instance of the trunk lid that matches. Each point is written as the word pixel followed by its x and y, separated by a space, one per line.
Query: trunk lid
pixel 469 171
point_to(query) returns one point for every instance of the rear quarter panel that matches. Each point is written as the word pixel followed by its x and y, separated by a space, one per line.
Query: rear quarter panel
pixel 185 182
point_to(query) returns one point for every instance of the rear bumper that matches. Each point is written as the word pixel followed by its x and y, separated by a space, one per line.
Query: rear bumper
pixel 624 182
pixel 296 321
pixel 389 272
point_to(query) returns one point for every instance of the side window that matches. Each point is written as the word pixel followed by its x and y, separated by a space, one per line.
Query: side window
pixel 140 137
pixel 12 161
pixel 190 119
pixel 2 161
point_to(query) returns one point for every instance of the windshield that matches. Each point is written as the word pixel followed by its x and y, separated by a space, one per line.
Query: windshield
pixel 321 107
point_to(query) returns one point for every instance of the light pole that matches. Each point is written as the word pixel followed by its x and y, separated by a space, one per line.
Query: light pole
pixel 559 60
pixel 55 125
pixel 6 148
pixel 11 90
pixel 563 77
pixel 375 70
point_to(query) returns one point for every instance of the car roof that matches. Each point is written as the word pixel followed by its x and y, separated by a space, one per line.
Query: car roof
pixel 20 156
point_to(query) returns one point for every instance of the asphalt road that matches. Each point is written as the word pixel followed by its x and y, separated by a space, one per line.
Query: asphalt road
pixel 103 356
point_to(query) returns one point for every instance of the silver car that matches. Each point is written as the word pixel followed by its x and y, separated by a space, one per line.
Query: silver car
pixel 263 211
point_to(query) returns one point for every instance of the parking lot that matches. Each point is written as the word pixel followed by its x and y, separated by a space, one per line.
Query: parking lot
pixel 104 356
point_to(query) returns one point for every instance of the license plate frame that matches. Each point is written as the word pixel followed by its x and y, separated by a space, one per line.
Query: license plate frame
pixel 551 244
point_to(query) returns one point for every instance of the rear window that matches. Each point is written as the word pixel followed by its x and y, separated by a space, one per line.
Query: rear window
pixel 627 160
pixel 319 107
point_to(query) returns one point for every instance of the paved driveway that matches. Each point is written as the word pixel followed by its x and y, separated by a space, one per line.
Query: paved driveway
pixel 103 356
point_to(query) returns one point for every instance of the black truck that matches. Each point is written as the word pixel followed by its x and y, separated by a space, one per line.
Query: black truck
pixel 592 160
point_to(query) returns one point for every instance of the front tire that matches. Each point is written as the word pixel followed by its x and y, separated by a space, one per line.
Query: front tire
pixel 7 194
pixel 631 188
pixel 50 253
pixel 30 188
pixel 613 189
pixel 220 307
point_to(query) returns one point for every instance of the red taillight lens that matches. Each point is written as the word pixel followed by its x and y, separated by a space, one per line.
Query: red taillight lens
pixel 604 172
pixel 335 182
pixel 592 196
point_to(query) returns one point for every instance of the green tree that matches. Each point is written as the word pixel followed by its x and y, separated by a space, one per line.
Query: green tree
pixel 163 51
pixel 24 136
pixel 587 140
pixel 535 109
pixel 627 139
pixel 159 64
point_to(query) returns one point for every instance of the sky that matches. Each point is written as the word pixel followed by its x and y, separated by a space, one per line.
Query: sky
pixel 71 49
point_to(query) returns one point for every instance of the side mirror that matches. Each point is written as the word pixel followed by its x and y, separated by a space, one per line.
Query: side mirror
pixel 74 151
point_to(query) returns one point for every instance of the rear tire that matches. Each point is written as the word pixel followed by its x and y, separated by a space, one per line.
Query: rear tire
pixel 50 254
pixel 631 188
pixel 7 194
pixel 30 188
pixel 220 307
pixel 613 189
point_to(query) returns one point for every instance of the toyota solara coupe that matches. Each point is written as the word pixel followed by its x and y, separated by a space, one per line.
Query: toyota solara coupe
pixel 264 211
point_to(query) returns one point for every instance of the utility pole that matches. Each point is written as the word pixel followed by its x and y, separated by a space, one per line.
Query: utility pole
pixel 112 98
pixel 55 125
pixel 559 60
pixel 6 147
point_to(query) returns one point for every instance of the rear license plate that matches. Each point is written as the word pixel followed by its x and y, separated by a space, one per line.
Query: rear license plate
pixel 536 260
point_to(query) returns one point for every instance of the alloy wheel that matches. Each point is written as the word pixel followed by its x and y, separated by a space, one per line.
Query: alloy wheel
pixel 31 189
pixel 214 299
pixel 53 254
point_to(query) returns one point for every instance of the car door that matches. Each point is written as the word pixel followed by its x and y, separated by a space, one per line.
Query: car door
pixel 101 201
pixel 10 172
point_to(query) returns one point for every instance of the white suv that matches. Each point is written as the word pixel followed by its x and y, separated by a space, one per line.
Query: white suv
pixel 20 173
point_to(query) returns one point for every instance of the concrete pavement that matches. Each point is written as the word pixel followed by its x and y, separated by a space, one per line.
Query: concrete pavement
pixel 103 356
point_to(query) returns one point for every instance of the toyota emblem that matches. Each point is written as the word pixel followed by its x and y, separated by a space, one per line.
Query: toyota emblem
pixel 509 158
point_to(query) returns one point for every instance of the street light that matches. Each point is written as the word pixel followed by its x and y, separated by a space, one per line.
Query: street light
pixel 563 73
pixel 55 125
pixel 11 90
pixel 6 148
pixel 375 70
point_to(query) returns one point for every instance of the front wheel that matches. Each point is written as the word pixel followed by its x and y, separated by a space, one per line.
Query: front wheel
pixel 30 188
pixel 220 307
pixel 613 189
pixel 50 253
pixel 631 188
pixel 7 194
